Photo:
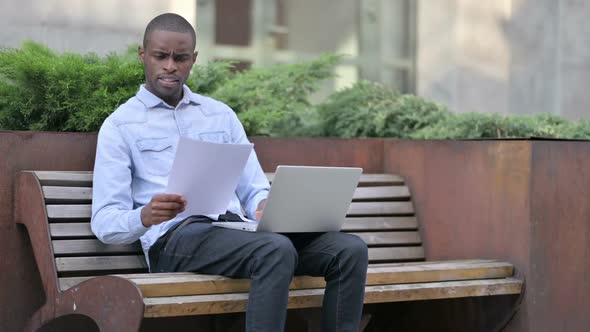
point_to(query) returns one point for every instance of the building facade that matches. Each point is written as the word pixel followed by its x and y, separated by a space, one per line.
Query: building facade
pixel 504 56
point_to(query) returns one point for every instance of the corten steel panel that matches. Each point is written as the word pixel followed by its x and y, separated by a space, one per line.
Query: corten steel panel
pixel 472 199
pixel 559 282
pixel 21 292
pixel 481 314
pixel 365 153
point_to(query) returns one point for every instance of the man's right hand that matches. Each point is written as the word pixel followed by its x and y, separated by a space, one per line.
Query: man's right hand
pixel 162 207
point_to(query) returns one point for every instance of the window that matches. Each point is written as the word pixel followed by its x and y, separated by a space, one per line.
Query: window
pixel 376 37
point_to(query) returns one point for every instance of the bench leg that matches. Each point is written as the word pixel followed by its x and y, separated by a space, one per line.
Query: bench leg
pixel 113 303
pixel 365 319
pixel 41 317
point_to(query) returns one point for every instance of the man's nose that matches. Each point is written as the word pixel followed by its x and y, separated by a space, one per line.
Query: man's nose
pixel 170 65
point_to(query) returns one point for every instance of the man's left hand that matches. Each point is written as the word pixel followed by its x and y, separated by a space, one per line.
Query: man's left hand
pixel 259 209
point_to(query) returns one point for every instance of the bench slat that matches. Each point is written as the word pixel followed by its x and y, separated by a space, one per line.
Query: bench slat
pixel 81 211
pixel 198 284
pixel 462 261
pixel 55 194
pixel 70 211
pixel 390 238
pixel 112 263
pixel 61 194
pixel 100 263
pixel 187 283
pixel 65 178
pixel 304 298
pixel 396 254
pixel 380 223
pixel 77 247
pixel 84 178
pixel 381 193
pixel 77 230
pixel 94 246
pixel 380 208
pixel 70 230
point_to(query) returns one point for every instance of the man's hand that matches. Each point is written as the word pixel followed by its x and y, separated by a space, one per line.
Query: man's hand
pixel 162 207
pixel 259 209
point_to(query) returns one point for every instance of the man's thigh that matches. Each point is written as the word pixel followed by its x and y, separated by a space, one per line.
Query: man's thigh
pixel 204 248
pixel 318 251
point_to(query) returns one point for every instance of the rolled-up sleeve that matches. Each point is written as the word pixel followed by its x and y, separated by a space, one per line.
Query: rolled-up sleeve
pixel 114 220
pixel 253 186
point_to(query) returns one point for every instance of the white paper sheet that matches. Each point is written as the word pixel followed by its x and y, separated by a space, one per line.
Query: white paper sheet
pixel 207 174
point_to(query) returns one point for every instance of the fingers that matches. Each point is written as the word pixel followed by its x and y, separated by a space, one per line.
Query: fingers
pixel 161 208
pixel 167 205
pixel 258 212
pixel 168 198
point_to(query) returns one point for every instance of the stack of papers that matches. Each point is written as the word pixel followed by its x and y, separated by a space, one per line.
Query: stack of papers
pixel 207 174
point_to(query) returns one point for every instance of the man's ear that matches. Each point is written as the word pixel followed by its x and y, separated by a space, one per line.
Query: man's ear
pixel 195 56
pixel 141 53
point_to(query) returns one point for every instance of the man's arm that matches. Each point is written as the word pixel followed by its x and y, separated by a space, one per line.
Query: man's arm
pixel 114 219
pixel 253 186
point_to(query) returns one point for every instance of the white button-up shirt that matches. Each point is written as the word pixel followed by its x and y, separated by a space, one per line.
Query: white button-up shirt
pixel 134 154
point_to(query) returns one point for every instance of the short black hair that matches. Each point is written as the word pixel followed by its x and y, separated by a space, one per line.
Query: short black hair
pixel 169 22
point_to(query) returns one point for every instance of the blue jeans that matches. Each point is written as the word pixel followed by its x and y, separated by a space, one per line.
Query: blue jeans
pixel 271 260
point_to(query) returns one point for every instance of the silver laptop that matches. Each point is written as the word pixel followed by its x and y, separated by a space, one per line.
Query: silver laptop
pixel 305 199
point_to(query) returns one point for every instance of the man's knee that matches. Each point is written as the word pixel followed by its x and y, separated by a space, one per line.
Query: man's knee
pixel 355 249
pixel 278 249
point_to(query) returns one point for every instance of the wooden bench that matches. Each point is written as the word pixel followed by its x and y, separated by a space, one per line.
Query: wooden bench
pixel 111 284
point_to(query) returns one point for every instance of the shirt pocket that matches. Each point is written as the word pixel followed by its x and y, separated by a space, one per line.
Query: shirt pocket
pixel 157 155
pixel 214 137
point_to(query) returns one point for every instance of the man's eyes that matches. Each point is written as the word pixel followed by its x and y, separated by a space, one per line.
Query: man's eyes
pixel 178 58
pixel 181 57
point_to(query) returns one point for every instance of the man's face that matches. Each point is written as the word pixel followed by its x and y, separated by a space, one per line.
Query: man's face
pixel 167 60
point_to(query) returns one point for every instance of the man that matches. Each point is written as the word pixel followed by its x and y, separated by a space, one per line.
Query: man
pixel 136 145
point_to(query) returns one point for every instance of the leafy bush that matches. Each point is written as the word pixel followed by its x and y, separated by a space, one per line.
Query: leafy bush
pixel 478 125
pixel 43 90
pixel 371 110
pixel 268 100
pixel 205 79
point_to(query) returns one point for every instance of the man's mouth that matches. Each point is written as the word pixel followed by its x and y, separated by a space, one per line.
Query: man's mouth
pixel 168 81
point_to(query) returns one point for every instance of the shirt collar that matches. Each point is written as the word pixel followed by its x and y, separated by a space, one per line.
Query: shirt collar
pixel 150 100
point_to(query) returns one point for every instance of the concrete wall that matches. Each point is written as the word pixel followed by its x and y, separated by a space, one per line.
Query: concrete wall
pixel 505 56
pixel 312 32
pixel 84 26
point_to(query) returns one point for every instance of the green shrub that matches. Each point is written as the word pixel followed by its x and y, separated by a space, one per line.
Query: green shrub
pixel 478 125
pixel 269 100
pixel 205 79
pixel 43 90
pixel 371 110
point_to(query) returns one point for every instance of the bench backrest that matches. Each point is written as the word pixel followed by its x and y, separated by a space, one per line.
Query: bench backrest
pixel 381 213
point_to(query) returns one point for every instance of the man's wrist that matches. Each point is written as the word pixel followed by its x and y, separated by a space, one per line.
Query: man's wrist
pixel 143 217
pixel 135 223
